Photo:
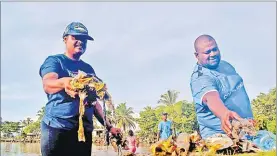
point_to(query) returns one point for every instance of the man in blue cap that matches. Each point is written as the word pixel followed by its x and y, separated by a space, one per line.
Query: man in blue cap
pixel 164 128
pixel 59 125
pixel 217 89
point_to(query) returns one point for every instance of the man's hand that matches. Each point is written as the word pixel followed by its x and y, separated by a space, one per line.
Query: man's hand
pixel 67 87
pixel 225 121
pixel 115 131
pixel 253 122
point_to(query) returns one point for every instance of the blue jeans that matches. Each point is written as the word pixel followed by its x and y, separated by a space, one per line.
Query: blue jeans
pixel 59 142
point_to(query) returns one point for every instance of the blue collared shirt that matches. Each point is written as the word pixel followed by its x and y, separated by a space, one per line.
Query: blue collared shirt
pixel 228 83
pixel 61 110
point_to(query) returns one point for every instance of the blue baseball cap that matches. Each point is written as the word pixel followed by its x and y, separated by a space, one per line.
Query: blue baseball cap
pixel 77 28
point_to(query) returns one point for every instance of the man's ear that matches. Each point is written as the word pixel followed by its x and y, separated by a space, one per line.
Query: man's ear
pixel 196 54
pixel 65 39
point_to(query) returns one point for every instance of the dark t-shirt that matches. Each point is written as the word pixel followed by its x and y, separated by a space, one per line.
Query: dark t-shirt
pixel 61 110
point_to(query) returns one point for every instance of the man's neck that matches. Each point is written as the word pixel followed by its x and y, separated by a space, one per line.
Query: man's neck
pixel 71 56
pixel 199 64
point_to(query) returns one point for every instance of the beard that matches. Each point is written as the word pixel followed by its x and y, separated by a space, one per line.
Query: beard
pixel 212 64
pixel 78 54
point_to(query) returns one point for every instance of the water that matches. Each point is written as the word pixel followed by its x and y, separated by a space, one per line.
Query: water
pixel 33 149
pixel 20 149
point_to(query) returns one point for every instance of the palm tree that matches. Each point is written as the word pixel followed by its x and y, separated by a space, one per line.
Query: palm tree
pixel 111 117
pixel 169 98
pixel 29 121
pixel 26 122
pixel 124 118
pixel 40 113
pixel 147 108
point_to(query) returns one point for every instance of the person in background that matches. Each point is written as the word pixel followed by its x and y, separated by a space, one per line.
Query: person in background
pixel 131 142
pixel 164 128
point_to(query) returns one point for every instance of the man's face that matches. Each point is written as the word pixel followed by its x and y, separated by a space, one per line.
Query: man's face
pixel 164 117
pixel 75 44
pixel 208 54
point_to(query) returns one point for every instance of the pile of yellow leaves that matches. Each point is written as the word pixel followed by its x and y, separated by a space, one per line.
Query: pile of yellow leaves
pixel 167 147
pixel 84 85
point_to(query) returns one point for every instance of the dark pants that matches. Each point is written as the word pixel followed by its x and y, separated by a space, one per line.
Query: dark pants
pixel 59 142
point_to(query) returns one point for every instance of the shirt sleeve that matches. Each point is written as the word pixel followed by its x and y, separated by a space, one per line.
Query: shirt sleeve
pixel 201 86
pixel 91 70
pixel 51 64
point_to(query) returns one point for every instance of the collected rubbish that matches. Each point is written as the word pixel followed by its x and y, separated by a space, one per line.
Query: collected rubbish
pixel 265 140
pixel 92 88
pixel 244 139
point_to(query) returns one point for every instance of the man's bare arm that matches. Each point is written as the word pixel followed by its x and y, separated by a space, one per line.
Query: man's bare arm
pixel 98 113
pixel 216 105
pixel 52 84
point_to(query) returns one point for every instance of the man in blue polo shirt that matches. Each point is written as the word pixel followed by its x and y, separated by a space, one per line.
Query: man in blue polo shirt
pixel 59 125
pixel 217 89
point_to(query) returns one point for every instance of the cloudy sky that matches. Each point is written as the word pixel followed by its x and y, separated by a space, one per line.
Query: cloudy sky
pixel 141 49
